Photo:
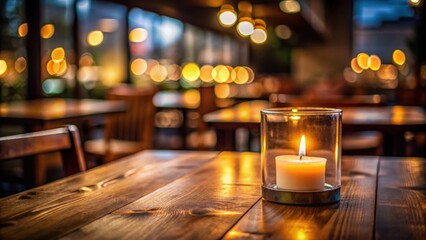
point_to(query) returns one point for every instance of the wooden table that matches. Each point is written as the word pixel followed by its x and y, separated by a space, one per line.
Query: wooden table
pixel 391 121
pixel 39 114
pixel 212 195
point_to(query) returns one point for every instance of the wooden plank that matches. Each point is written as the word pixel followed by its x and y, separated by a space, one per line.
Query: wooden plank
pixel 401 201
pixel 201 205
pixel 55 209
pixel 352 218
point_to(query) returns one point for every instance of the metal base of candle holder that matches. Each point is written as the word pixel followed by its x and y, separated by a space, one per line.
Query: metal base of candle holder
pixel 327 196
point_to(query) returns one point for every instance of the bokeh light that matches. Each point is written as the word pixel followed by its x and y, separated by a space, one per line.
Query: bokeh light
pixel 138 66
pixel 398 57
pixel 283 32
pixel 58 54
pixel 191 97
pixel 86 59
pixel 158 73
pixel 47 31
pixel 220 73
pixel 95 38
pixel 290 6
pixel 242 75
pixel 355 67
pixel 206 73
pixel 191 72
pixel 245 27
pixel 23 30
pixel 3 67
pixel 227 15
pixel 362 59
pixel 259 36
pixel 53 86
pixel 222 90
pixel 138 35
pixel 20 64
pixel 374 62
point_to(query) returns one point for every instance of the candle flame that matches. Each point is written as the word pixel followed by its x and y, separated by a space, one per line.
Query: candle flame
pixel 302 146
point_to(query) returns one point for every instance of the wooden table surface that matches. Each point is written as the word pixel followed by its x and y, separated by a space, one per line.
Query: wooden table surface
pixel 213 195
pixel 392 121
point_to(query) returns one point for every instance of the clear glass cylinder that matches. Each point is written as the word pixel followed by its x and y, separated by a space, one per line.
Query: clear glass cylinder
pixel 301 155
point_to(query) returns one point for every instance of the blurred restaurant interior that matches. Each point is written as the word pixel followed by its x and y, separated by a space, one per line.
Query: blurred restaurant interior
pixel 185 67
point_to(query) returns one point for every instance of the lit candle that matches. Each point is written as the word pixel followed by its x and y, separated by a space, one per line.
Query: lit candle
pixel 300 173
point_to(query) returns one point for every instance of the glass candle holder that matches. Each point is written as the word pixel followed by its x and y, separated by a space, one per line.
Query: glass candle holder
pixel 301 155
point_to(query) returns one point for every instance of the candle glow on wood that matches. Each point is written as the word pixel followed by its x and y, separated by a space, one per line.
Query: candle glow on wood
pixel 300 173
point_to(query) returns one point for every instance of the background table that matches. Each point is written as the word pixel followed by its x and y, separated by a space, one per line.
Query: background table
pixel 392 121
pixel 212 195
pixel 40 113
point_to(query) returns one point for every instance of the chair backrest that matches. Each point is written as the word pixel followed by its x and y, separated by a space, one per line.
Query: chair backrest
pixel 137 124
pixel 283 100
pixel 65 140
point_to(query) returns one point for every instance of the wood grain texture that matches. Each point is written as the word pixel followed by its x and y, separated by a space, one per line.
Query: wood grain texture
pixel 401 199
pixel 201 205
pixel 55 209
pixel 352 218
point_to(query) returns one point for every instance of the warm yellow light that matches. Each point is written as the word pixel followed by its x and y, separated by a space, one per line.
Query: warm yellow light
pixel 3 67
pixel 158 73
pixel 47 31
pixel 51 68
pixel 362 59
pixel 58 54
pixel 220 73
pixel 283 31
pixel 245 26
pixel 20 64
pixel 23 30
pixel 138 35
pixel 290 6
pixel 62 68
pixel 242 75
pixel 138 66
pixel 398 57
pixel 191 72
pixel 415 3
pixel 227 16
pixel 355 67
pixel 206 73
pixel 302 146
pixel 191 97
pixel 222 90
pixel 374 62
pixel 259 35
pixel 95 38
pixel 150 64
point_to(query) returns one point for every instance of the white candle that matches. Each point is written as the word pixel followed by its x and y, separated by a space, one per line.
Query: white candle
pixel 300 173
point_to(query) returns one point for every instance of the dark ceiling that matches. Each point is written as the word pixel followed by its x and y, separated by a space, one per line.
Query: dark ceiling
pixel 203 13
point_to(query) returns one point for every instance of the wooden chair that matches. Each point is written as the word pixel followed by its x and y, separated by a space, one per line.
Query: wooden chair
pixel 65 140
pixel 126 133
